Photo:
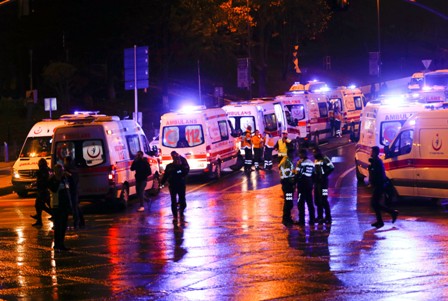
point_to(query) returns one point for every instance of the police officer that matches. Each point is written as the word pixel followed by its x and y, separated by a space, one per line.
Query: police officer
pixel 323 167
pixel 286 171
pixel 283 145
pixel 175 174
pixel 246 145
pixel 305 174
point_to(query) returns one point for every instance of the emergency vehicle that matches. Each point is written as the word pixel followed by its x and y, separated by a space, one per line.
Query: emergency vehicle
pixel 304 115
pixel 416 81
pixel 103 148
pixel 37 145
pixel 416 162
pixel 380 122
pixel 433 86
pixel 350 101
pixel 203 136
pixel 256 114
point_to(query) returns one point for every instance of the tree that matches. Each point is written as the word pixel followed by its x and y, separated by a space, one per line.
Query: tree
pixel 59 76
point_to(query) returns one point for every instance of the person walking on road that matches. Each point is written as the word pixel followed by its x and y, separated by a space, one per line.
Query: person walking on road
pixel 323 168
pixel 60 205
pixel 246 145
pixel 175 174
pixel 269 144
pixel 142 171
pixel 257 143
pixel 305 174
pixel 377 179
pixel 337 121
pixel 42 202
pixel 73 178
pixel 283 145
pixel 287 176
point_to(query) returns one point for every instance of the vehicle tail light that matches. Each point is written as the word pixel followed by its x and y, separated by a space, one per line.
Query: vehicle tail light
pixel 112 173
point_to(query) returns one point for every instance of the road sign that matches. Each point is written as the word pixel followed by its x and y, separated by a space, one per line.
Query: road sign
pixel 426 63
pixel 136 66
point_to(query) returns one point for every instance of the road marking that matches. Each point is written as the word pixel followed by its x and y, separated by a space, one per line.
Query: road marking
pixel 341 177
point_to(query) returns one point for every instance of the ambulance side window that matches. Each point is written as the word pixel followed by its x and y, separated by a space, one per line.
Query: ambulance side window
pixel 133 145
pixel 270 122
pixel 358 102
pixel 403 144
pixel 223 130
pixel 92 152
pixel 323 109
pixel 388 131
pixel 145 144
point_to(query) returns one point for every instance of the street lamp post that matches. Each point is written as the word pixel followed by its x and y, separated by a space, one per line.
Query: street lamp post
pixel 379 36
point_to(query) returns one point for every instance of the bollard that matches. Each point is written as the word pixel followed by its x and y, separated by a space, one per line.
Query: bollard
pixel 6 151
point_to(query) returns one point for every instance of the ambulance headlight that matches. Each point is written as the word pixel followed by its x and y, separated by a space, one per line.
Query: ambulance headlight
pixel 15 174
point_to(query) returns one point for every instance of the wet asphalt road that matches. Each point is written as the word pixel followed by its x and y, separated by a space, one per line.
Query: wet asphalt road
pixel 231 246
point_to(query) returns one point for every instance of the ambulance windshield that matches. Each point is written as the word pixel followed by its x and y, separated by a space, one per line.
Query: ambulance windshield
pixel 36 147
pixel 181 136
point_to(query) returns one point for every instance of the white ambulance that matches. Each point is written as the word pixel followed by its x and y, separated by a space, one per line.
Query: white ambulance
pixel 103 148
pixel 203 136
pixel 257 114
pixel 304 115
pixel 351 101
pixel 380 122
pixel 416 162
pixel 37 145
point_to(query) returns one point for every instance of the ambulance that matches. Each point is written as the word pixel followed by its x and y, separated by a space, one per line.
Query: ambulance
pixel 203 136
pixel 381 120
pixel 255 114
pixel 37 145
pixel 103 149
pixel 351 101
pixel 304 115
pixel 416 162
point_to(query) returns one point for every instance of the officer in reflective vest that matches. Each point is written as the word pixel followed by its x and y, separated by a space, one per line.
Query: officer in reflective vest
pixel 283 145
pixel 246 145
pixel 287 175
pixel 269 144
pixel 305 174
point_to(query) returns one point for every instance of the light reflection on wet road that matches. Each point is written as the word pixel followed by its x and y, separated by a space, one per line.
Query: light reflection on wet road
pixel 231 246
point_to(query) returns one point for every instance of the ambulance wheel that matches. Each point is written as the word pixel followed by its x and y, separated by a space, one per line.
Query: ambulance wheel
pixel 218 171
pixel 124 197
pixel 155 188
pixel 22 193
pixel 239 163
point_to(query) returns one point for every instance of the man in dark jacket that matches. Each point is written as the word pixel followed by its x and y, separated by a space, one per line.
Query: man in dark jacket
pixel 323 167
pixel 42 202
pixel 142 170
pixel 377 179
pixel 175 174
